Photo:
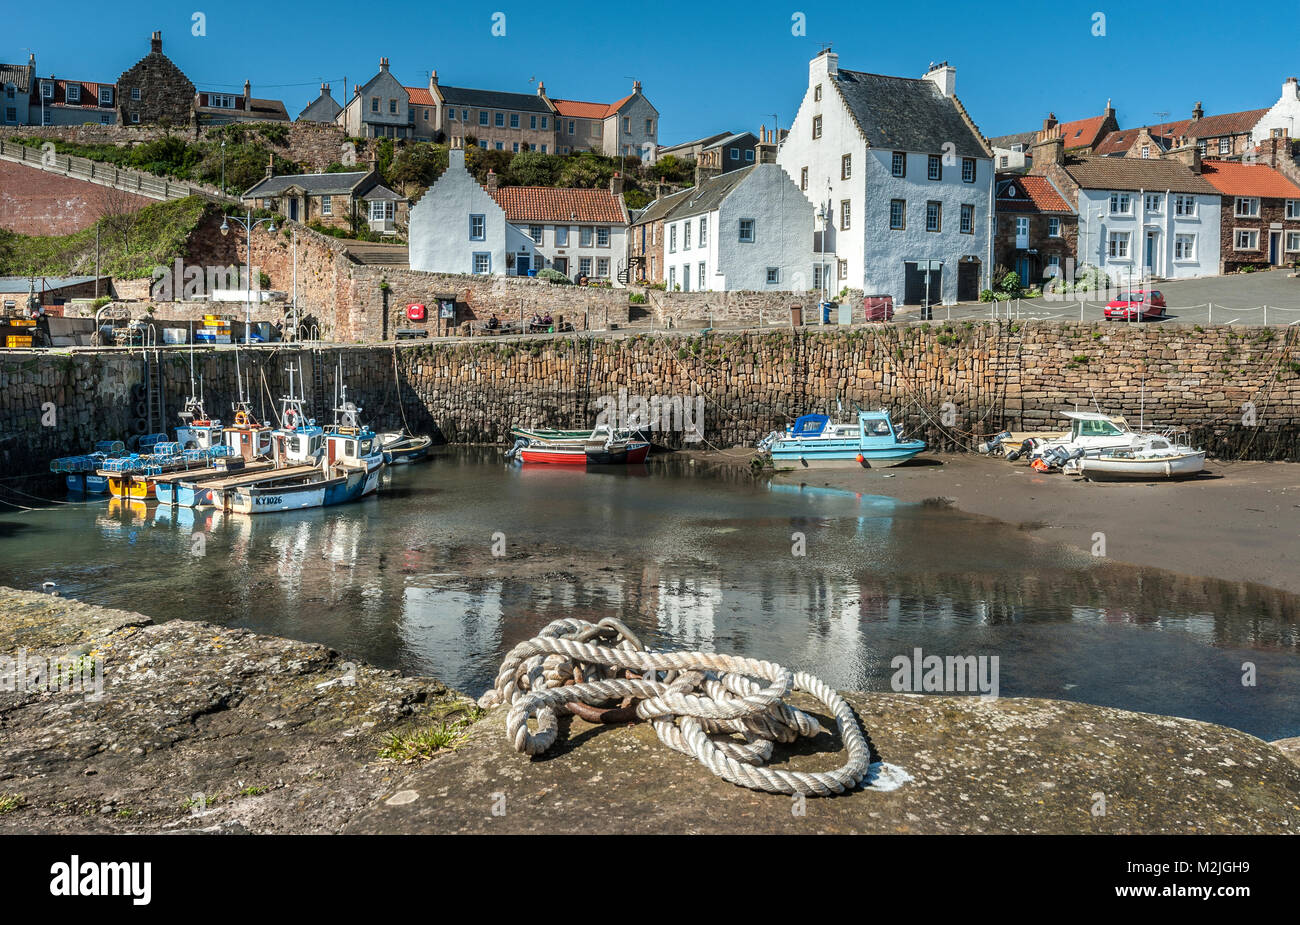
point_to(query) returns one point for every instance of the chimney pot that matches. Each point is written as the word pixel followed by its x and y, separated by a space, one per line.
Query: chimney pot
pixel 616 184
pixel 155 42
pixel 541 88
pixel 492 181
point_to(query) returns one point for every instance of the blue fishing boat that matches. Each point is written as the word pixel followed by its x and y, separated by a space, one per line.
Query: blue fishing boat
pixel 815 442
pixel 81 473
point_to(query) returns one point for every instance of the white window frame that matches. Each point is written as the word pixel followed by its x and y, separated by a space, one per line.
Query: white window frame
pixel 968 162
pixel 326 205
pixel 773 276
pixel 846 207
pixel 1293 209
pixel 1120 204
pixel 1251 236
pixel 747 223
pixel 1152 204
pixel 381 210
pixel 700 278
pixel 704 231
pixel 73 94
pixel 846 167
pixel 902 214
pixel 47 89
pixel 816 127
pixel 1292 242
pixel 1053 227
pixel 561 235
pixel 536 233
pixel 1185 248
pixel 1246 207
pixel 898 164
pixel 602 267
pixel 1117 246
pixel 585 233
pixel 602 236
pixel 937 211
pixel 481 221
pixel 487 263
pixel 672 239
pixel 966 223
pixel 686 235
pixel 1185 205
pixel 135 94
pixel 934 167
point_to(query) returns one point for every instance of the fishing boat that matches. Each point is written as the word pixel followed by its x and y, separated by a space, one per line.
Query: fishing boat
pixel 188 489
pixel 1089 431
pixel 197 431
pixel 133 476
pixel 351 445
pixel 813 441
pixel 1149 457
pixel 400 448
pixel 82 473
pixel 601 446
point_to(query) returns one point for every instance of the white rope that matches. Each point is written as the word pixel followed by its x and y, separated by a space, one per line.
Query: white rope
pixel 697 702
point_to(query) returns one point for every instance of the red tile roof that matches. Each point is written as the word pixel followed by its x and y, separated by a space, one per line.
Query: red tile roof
pixel 420 96
pixel 1041 196
pixel 1234 179
pixel 1171 133
pixel 1080 132
pixel 553 204
pixel 577 109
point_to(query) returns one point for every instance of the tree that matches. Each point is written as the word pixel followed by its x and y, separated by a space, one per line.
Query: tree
pixel 533 168
pixel 583 171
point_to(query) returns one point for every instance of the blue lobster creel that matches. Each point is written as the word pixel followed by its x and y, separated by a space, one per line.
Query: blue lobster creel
pixel 219 451
pixel 110 447
pixel 149 440
pixel 168 448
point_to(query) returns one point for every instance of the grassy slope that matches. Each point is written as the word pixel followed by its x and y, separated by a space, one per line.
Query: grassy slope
pixel 128 249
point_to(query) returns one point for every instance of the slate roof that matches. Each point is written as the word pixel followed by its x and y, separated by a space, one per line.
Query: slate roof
pixel 270 110
pixel 704 142
pixel 1039 196
pixel 316 184
pixel 907 114
pixel 696 200
pixel 661 208
pixel 559 204
pixel 23 284
pixel 1017 138
pixel 493 99
pixel 322 109
pixel 1136 173
pixel 1235 179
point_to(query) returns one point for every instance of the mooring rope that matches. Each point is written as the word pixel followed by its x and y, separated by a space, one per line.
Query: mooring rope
pixel 697 702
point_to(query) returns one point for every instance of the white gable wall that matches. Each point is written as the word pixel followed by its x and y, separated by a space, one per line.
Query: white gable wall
pixel 1285 114
pixel 440 226
pixel 783 220
pixel 1096 224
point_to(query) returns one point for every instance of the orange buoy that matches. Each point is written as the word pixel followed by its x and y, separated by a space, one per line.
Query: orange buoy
pixel 861 458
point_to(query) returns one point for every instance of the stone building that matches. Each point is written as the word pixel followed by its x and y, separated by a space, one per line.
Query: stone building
pixel 335 200
pixel 16 91
pixel 493 119
pixel 1261 215
pixel 1081 136
pixel 220 108
pixel 379 108
pixel 1036 229
pixel 322 109
pixel 628 127
pixel 154 89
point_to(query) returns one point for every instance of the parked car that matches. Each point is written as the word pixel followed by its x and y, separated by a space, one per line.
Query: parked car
pixel 1137 305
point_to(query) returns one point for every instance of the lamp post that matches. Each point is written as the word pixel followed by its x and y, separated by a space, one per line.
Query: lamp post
pixel 248 223
pixel 223 166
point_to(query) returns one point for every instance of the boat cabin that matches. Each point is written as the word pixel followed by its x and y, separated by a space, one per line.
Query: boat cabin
pixel 1087 424
pixel 299 447
pixel 351 446
pixel 247 438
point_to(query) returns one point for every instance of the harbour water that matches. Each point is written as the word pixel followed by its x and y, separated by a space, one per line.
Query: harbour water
pixel 828 581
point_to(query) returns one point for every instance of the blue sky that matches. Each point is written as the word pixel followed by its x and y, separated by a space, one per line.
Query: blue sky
pixel 707 67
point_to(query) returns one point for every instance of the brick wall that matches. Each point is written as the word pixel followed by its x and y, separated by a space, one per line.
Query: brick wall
pixel 1004 242
pixel 757 308
pixel 37 202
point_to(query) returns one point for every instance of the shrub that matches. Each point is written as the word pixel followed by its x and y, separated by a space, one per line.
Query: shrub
pixel 637 298
pixel 554 276
pixel 986 295
pixel 1010 282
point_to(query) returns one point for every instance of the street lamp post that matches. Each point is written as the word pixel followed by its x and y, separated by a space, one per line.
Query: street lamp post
pixel 248 223
pixel 223 166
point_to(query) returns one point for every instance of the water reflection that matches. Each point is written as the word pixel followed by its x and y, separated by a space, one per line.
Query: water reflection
pixel 408 580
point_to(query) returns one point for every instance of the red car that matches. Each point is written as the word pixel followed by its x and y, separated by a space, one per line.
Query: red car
pixel 1138 305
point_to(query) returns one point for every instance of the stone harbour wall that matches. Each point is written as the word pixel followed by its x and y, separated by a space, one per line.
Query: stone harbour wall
pixel 1237 390
pixel 744 308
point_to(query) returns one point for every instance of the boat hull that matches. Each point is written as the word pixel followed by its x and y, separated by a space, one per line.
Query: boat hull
pixel 811 459
pixel 578 456
pixel 269 499
pixel 408 450
pixel 1120 469
pixel 87 483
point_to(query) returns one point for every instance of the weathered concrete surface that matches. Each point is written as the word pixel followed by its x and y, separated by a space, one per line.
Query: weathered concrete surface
pixel 266 727
pixel 191 708
pixel 1012 766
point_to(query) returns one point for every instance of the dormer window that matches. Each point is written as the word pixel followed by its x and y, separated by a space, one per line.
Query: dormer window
pixel 106 96
pixel 74 93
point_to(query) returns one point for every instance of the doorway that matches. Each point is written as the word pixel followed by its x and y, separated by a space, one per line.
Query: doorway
pixel 1150 254
pixel 561 264
pixel 293 209
pixel 1274 248
pixel 523 263
pixel 968 281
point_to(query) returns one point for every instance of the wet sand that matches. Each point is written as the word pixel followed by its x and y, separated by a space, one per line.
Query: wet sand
pixel 1239 521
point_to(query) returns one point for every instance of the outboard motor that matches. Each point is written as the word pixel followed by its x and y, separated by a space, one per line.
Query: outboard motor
pixel 514 450
pixel 994 443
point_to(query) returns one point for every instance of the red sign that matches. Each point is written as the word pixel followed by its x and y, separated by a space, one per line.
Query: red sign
pixel 415 312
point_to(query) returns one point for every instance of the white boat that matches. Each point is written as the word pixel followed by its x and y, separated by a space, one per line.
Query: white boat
pixel 1148 457
pixel 1090 431
pixel 814 441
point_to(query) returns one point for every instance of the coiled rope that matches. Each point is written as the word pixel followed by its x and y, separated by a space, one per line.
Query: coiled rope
pixel 697 702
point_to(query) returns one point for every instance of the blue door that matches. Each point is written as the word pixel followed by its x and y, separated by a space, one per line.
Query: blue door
pixel 1022 270
pixel 522 264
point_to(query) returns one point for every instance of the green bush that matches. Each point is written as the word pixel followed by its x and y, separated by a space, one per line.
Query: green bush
pixel 1010 282
pixel 554 276
pixel 986 295
pixel 637 298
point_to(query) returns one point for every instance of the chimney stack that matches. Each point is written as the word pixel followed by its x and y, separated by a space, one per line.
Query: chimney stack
pixel 636 86
pixel 270 166
pixel 433 80
pixel 616 184
pixel 1049 123
pixel 383 65
pixel 824 66
pixel 1197 112
pixel 944 76
pixel 705 172
pixel 765 150
pixel 1049 148
pixel 492 182
pixel 541 89
pixel 155 42
pixel 1189 156
pixel 248 92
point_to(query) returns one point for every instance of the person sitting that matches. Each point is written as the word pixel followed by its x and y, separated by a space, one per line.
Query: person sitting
pixel 546 320
pixel 493 322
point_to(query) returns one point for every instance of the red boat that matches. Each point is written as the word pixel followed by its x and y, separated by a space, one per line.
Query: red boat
pixel 599 447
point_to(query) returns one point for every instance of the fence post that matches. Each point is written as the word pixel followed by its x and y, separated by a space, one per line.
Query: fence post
pixel 1210 315
pixel 1265 314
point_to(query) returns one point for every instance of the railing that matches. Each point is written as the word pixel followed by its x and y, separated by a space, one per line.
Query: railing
pixel 125 179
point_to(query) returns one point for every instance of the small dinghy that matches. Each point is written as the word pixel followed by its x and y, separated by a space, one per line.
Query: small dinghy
pixel 1151 457
pixel 401 448
pixel 602 446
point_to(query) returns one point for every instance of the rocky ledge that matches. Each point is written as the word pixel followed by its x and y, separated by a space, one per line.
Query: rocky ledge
pixel 201 728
